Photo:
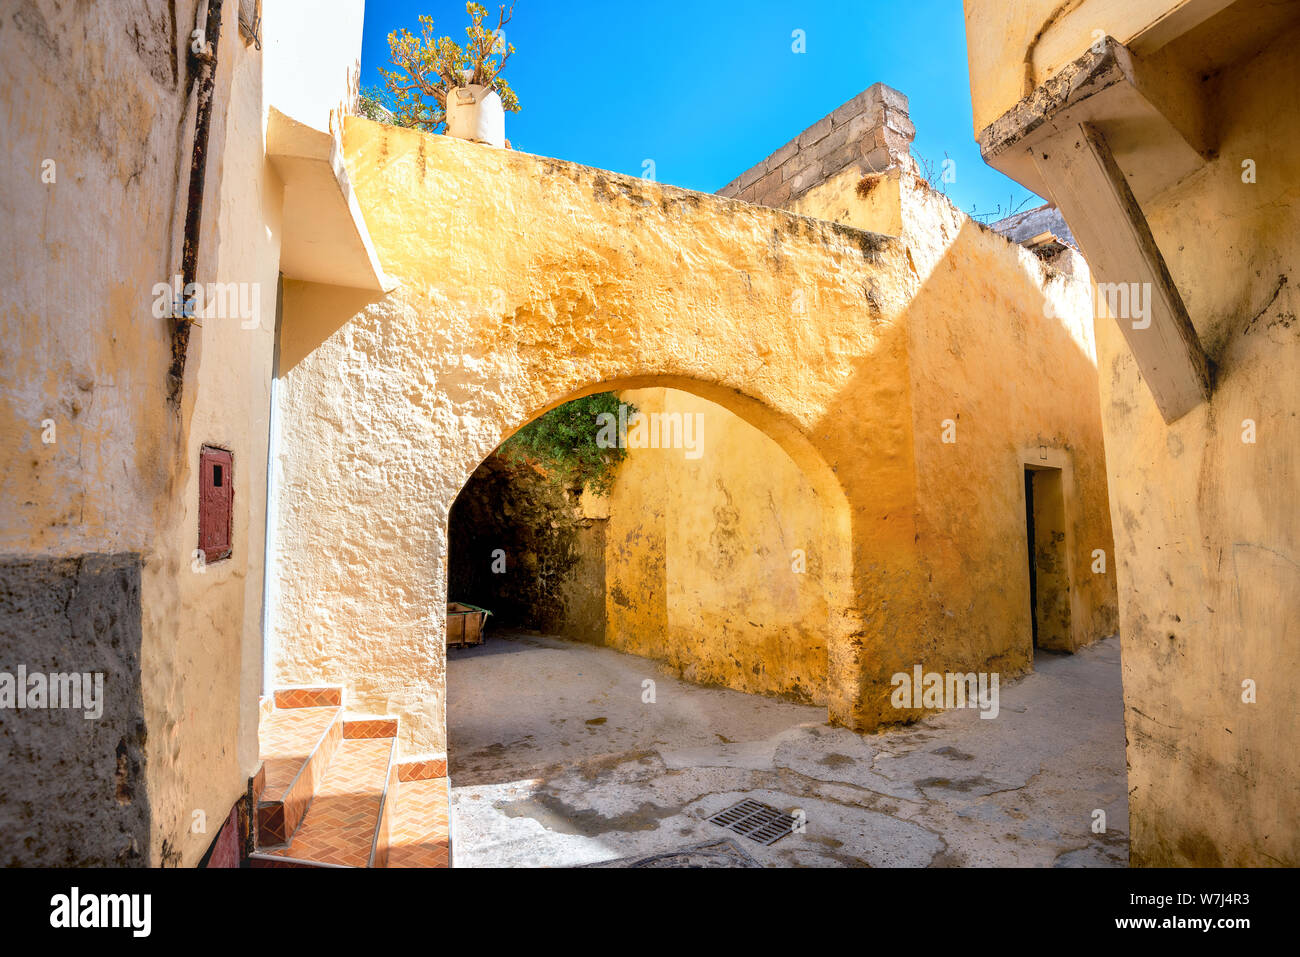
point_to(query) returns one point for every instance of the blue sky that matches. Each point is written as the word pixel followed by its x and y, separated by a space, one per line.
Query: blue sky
pixel 707 90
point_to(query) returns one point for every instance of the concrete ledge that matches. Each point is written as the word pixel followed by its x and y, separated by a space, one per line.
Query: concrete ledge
pixel 1157 133
pixel 325 238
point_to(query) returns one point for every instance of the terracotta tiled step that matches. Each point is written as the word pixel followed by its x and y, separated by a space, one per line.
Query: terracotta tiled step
pixel 345 825
pixel 312 697
pixel 297 745
pixel 370 728
pixel 420 830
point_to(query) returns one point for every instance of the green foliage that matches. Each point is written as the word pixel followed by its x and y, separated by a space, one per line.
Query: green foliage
pixel 563 441
pixel 429 68
pixel 370 104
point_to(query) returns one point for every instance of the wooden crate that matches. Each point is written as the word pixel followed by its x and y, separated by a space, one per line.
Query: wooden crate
pixel 466 624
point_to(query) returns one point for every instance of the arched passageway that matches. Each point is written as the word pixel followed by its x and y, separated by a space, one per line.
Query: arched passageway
pixel 572 281
pixel 711 551
pixel 391 409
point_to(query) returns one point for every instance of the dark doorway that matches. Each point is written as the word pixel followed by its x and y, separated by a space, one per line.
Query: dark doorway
pixel 1033 566
pixel 1049 572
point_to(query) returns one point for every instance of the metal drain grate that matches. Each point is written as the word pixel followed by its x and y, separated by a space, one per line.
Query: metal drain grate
pixel 758 822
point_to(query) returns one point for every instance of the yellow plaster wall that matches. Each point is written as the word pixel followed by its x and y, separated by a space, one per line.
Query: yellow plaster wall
pixel 203 669
pixel 1206 525
pixel 102 92
pixel 526 282
pixel 81 256
pixel 1206 532
pixel 865 202
pixel 1001 347
pixel 700 563
pixel 636 545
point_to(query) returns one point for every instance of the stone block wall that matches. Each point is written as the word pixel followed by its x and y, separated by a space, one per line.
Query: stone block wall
pixel 872 131
pixel 72 720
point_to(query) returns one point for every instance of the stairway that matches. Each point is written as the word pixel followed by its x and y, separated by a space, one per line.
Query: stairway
pixel 330 792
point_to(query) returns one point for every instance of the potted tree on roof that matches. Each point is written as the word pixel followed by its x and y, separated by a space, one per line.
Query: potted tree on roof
pixel 439 83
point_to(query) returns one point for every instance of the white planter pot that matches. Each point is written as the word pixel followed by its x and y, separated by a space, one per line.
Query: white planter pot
pixel 475 113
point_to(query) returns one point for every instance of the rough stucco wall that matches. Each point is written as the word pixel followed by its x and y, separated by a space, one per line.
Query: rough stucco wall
pixel 361 589
pixel 202 657
pixel 983 301
pixel 104 92
pixel 724 604
pixel 1003 347
pixel 82 347
pixel 545 293
pixel 1206 527
pixel 527 282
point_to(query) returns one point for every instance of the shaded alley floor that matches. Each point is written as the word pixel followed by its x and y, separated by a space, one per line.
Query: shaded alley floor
pixel 556 761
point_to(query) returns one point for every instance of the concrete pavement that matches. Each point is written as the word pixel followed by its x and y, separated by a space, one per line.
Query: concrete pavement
pixel 558 757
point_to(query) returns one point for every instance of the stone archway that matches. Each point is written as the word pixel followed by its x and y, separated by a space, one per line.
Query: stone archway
pixel 526 282
pixel 730 566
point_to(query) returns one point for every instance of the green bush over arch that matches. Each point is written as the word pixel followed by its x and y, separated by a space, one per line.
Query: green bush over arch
pixel 563 441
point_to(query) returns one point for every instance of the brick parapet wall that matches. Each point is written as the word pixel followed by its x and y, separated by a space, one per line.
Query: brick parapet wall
pixel 872 130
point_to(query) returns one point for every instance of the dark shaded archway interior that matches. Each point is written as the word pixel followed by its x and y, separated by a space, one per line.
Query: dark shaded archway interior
pixel 520 547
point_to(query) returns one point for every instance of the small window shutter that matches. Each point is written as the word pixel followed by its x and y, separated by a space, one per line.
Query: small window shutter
pixel 216 501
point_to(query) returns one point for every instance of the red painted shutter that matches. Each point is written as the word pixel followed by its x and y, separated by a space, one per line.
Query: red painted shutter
pixel 216 500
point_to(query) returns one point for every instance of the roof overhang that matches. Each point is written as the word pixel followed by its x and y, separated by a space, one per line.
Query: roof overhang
pixel 1149 116
pixel 324 236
